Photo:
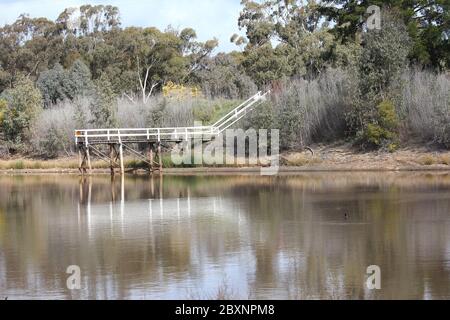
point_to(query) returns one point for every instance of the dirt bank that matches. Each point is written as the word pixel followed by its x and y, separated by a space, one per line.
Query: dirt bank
pixel 326 158
pixel 344 157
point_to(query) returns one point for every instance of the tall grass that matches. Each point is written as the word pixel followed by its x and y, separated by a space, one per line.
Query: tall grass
pixel 313 111
pixel 305 111
pixel 426 106
pixel 53 130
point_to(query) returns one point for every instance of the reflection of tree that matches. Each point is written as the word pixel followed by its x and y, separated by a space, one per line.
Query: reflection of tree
pixel 299 240
pixel 326 255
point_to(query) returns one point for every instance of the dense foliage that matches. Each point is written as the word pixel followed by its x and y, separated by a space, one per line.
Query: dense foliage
pixel 24 103
pixel 331 76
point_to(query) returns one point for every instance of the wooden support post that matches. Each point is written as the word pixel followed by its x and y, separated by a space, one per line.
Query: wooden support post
pixel 88 156
pixel 122 168
pixel 83 156
pixel 80 160
pixel 111 158
pixel 150 156
pixel 160 157
pixel 116 157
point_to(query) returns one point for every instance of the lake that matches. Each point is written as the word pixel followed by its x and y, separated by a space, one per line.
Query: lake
pixel 299 236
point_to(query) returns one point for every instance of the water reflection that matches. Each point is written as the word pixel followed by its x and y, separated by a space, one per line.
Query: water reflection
pixel 303 236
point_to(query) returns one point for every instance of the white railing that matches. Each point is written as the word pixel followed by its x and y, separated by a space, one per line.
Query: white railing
pixel 151 134
pixel 87 136
pixel 239 112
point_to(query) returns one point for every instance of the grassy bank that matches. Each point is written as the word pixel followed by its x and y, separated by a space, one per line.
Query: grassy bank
pixel 326 157
pixel 70 163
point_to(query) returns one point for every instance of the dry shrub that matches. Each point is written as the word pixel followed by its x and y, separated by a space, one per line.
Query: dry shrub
pixel 426 99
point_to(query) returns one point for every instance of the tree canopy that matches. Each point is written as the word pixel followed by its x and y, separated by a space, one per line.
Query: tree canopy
pixel 137 60
pixel 428 23
pixel 283 38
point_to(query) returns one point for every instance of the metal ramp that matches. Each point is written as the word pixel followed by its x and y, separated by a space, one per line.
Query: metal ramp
pixel 86 139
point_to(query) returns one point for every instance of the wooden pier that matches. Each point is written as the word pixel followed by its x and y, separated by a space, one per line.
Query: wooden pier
pixel 92 142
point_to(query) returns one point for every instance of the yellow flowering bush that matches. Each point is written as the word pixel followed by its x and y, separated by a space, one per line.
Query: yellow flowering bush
pixel 179 91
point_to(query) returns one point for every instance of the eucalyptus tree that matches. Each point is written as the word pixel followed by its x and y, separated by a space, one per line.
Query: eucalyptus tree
pixel 223 76
pixel 27 47
pixel 428 23
pixel 88 20
pixel 290 35
pixel 141 60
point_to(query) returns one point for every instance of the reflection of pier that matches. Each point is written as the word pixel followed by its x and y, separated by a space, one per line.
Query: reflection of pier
pixel 86 184
pixel 130 239
pixel 120 212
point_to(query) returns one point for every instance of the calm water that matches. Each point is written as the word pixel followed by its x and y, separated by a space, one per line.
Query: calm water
pixel 306 236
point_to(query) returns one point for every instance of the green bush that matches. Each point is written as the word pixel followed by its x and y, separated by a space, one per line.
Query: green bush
pixel 203 112
pixel 58 84
pixel 53 142
pixel 104 105
pixel 383 131
pixel 3 105
pixel 376 77
pixel 208 114
pixel 24 103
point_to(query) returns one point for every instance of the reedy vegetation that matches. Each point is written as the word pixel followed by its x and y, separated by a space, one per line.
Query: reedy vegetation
pixel 378 88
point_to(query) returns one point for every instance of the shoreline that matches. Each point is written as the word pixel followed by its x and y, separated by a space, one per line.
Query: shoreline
pixel 230 170
pixel 326 158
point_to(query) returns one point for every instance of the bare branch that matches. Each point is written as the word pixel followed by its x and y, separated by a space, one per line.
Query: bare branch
pixel 152 88
pixel 129 97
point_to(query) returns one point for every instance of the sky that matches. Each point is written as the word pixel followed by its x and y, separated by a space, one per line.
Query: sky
pixel 209 18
